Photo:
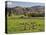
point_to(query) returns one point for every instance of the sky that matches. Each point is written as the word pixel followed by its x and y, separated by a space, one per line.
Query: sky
pixel 23 4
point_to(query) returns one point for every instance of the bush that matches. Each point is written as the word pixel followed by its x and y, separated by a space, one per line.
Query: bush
pixel 37 15
pixel 22 17
pixel 34 15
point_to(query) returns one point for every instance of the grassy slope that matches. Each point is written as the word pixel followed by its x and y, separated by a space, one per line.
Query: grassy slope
pixel 15 25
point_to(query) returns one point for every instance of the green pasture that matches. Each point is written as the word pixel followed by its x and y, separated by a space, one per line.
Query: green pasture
pixel 22 25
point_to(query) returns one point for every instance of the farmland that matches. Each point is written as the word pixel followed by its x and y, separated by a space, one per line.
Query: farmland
pixel 21 25
pixel 24 17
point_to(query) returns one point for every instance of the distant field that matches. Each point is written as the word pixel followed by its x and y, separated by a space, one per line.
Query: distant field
pixel 20 25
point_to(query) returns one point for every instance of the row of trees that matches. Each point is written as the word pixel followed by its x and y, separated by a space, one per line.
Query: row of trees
pixel 35 14
pixel 31 14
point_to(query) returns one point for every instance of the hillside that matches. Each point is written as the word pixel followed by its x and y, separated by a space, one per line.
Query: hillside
pixel 22 10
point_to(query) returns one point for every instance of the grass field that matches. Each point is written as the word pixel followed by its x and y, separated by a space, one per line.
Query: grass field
pixel 20 25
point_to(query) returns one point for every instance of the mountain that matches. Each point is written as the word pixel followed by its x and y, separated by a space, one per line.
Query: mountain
pixel 38 9
pixel 22 10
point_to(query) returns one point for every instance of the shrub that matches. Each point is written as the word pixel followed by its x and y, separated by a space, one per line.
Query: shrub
pixel 22 17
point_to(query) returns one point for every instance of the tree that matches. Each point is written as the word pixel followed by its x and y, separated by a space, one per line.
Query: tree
pixel 24 13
